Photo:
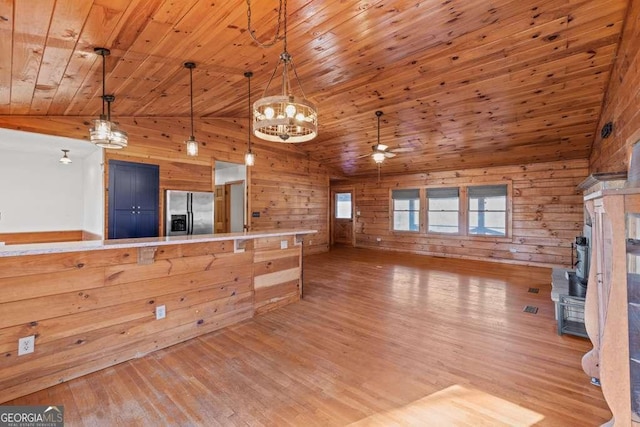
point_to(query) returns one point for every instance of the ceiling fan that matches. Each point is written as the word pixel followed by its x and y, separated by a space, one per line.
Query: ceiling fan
pixel 382 151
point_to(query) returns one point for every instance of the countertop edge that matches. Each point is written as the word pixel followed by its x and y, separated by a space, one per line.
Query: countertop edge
pixel 93 245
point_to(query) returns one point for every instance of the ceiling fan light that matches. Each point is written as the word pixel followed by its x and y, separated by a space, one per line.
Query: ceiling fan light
pixel 378 156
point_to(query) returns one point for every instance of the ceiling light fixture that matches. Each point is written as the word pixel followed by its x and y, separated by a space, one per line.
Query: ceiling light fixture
pixel 105 133
pixel 65 160
pixel 285 117
pixel 192 144
pixel 249 157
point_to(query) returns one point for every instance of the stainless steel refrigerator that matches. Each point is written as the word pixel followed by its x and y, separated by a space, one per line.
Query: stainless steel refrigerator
pixel 189 212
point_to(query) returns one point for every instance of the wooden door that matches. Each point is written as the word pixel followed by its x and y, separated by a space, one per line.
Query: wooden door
pixel 220 210
pixel 342 217
pixel 235 206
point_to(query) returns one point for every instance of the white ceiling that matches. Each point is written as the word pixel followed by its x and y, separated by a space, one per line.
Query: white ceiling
pixel 27 142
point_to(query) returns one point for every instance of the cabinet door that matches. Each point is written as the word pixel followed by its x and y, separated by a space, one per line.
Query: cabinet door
pixel 146 187
pixel 146 223
pixel 133 200
pixel 122 224
pixel 122 186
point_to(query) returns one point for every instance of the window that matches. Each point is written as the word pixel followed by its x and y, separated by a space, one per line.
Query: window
pixel 487 210
pixel 406 210
pixel 343 205
pixel 443 215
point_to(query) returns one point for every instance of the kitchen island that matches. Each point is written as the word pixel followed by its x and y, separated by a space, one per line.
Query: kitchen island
pixel 92 304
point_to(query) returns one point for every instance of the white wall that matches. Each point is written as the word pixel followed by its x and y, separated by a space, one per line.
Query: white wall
pixel 93 195
pixel 38 193
pixel 229 172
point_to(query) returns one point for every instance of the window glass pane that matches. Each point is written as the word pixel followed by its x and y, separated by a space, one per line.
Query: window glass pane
pixel 401 205
pixel 443 204
pixel 443 222
pixel 444 207
pixel 343 205
pixel 406 209
pixel 488 210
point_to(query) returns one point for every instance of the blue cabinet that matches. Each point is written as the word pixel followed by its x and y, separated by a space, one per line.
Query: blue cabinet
pixel 133 200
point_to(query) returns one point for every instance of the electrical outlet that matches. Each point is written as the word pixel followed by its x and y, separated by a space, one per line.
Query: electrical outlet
pixel 284 244
pixel 161 312
pixel 513 250
pixel 378 239
pixel 26 345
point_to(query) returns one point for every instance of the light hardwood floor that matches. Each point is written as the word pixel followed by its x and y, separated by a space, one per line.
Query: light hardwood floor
pixel 379 339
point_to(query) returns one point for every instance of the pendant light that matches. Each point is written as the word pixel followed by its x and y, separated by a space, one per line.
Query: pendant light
pixel 378 155
pixel 192 144
pixel 65 160
pixel 105 133
pixel 285 117
pixel 249 157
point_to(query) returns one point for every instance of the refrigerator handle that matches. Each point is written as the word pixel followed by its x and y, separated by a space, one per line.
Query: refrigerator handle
pixel 190 213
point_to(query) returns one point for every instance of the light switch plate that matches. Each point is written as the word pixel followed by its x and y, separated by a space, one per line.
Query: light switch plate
pixel 161 312
pixel 284 244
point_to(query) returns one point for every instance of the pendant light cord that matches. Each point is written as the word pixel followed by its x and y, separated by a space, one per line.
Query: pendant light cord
pixel 191 97
pixel 104 73
pixel 248 75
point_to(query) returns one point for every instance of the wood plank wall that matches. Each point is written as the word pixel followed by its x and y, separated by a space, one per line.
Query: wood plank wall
pixel 277 271
pixel 285 187
pixel 547 213
pixel 621 102
pixel 90 310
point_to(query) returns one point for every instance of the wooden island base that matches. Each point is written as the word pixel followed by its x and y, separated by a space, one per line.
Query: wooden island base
pixel 90 309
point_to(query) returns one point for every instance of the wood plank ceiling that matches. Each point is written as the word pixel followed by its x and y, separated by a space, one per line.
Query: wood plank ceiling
pixel 462 83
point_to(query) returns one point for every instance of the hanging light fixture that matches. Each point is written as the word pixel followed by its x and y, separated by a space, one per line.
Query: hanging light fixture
pixel 192 144
pixel 378 155
pixel 249 157
pixel 65 160
pixel 285 117
pixel 105 133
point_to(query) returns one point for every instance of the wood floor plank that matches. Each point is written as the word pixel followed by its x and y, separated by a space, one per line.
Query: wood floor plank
pixel 379 339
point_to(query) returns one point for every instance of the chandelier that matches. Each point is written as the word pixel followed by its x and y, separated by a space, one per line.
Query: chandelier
pixel 192 144
pixel 283 117
pixel 105 133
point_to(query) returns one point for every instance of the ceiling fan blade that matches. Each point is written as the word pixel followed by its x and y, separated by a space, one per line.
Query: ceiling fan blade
pixel 389 155
pixel 362 156
pixel 401 150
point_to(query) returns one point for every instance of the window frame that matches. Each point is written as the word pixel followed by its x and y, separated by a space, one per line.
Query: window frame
pixel 463 213
pixel 419 211
pixel 507 210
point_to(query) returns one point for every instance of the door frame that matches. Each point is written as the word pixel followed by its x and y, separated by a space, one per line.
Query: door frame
pixel 332 214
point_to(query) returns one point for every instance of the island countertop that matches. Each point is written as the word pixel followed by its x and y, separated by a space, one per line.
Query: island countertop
pixel 90 245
